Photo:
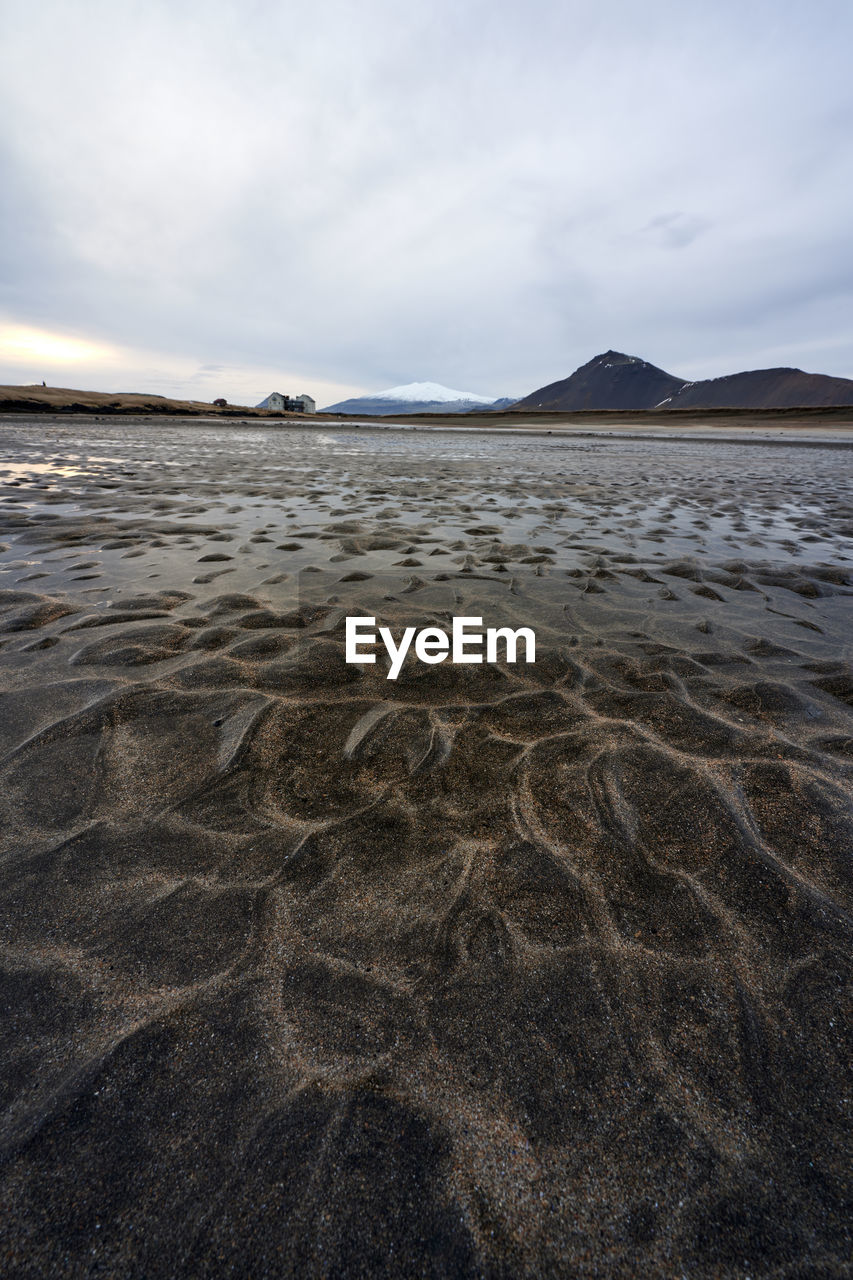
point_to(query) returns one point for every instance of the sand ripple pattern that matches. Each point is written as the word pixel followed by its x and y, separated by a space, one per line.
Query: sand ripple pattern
pixel 505 971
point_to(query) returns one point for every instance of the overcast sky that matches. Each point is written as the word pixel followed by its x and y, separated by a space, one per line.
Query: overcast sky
pixel 233 196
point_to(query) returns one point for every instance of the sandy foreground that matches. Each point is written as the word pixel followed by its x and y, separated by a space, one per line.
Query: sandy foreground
pixel 499 970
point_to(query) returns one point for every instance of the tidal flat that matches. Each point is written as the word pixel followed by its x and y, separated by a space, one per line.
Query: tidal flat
pixel 490 971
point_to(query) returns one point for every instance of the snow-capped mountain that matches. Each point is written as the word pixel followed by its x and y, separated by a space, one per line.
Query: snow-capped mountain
pixel 429 393
pixel 414 397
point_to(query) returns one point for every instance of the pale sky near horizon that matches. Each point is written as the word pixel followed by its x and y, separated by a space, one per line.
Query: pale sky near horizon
pixel 237 196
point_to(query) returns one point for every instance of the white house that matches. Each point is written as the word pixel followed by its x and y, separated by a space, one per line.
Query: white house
pixel 294 404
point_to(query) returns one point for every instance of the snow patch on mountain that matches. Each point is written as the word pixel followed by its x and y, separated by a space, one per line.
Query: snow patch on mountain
pixel 426 393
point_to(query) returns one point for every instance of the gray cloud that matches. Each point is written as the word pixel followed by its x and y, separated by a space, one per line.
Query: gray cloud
pixel 676 230
pixel 482 194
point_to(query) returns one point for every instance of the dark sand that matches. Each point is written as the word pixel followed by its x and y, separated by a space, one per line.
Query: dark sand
pixel 489 971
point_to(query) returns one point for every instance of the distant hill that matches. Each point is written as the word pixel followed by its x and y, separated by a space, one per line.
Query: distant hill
pixel 36 398
pixel 616 381
pixel 497 406
pixel 765 389
pixel 415 397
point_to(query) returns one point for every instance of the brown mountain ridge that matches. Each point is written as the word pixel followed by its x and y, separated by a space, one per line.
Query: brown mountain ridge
pixel 613 380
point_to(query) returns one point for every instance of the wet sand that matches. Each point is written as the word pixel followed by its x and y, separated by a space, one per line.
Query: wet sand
pixel 487 971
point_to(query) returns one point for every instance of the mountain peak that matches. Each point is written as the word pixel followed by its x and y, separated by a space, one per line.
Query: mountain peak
pixel 610 380
pixel 414 397
pixel 615 381
pixel 608 358
pixel 427 393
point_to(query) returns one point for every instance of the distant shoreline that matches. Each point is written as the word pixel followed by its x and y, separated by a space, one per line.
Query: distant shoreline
pixel 815 427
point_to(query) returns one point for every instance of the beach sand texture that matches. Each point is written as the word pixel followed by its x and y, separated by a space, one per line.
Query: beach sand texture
pixel 487 971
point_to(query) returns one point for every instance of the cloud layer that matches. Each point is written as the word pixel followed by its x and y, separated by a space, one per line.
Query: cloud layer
pixel 341 197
